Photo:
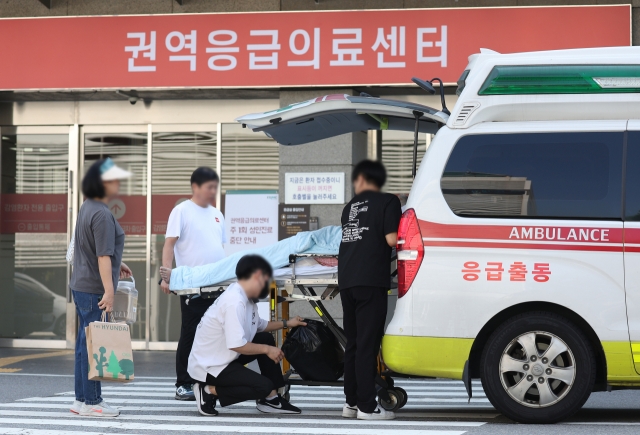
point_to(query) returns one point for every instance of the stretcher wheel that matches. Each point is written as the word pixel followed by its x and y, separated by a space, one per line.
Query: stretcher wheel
pixel 403 393
pixel 398 398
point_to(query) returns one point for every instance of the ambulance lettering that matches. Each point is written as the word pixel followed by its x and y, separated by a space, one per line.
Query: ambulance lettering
pixel 517 271
pixel 560 234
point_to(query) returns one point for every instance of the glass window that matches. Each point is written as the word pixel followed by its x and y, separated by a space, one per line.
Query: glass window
pixel 397 156
pixel 129 151
pixel 249 161
pixel 175 157
pixel 632 184
pixel 546 175
pixel 33 235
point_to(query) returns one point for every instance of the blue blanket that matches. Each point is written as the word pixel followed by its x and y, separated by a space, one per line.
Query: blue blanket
pixel 323 241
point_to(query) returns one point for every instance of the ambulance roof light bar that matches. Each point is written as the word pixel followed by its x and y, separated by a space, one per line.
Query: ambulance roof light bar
pixel 561 79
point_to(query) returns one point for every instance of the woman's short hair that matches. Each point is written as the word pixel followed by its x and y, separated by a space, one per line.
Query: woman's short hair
pixel 92 186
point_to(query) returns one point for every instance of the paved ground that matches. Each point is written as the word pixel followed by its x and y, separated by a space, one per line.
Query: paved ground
pixel 36 388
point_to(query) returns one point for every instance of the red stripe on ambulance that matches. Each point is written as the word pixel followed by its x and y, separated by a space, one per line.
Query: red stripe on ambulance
pixel 569 238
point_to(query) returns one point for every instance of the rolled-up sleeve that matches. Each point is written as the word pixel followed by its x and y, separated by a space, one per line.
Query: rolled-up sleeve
pixel 103 228
pixel 233 330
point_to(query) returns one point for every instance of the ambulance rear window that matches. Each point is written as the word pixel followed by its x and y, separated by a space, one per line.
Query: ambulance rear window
pixel 545 175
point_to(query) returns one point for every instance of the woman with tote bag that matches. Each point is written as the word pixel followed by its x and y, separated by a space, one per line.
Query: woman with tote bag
pixel 98 243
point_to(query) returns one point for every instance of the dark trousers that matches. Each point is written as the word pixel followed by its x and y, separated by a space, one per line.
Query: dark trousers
pixel 365 311
pixel 236 383
pixel 192 313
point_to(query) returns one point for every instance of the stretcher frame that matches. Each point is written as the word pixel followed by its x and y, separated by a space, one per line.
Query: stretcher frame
pixel 389 396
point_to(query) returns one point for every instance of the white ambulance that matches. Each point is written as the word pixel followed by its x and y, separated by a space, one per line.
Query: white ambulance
pixel 519 250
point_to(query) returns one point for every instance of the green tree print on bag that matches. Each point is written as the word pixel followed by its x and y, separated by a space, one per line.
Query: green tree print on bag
pixel 126 366
pixel 114 365
pixel 100 362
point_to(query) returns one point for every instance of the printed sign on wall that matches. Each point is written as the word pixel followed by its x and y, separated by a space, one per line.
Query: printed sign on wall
pixel 251 219
pixel 293 219
pixel 314 188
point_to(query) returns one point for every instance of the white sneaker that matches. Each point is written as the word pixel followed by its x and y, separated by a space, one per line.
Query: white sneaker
pixel 377 414
pixel 77 405
pixel 99 410
pixel 349 411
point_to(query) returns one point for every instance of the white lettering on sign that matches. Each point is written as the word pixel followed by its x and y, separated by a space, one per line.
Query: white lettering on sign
pixel 347 56
pixel 147 50
pixel 442 44
pixel 395 44
pixel 302 50
pixel 264 62
pixel 306 45
pixel 560 234
pixel 222 62
pixel 176 42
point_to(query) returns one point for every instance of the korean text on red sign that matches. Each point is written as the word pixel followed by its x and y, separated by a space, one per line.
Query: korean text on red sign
pixel 289 48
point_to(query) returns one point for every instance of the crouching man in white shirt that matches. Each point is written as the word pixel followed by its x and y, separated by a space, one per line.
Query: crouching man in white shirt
pixel 232 334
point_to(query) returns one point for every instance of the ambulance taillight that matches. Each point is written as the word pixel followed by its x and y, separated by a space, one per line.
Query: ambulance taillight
pixel 410 249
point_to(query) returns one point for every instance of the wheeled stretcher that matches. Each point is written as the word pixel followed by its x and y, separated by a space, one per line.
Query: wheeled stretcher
pixel 390 397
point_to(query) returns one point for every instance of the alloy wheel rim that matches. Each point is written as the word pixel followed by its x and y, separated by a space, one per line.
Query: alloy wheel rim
pixel 537 369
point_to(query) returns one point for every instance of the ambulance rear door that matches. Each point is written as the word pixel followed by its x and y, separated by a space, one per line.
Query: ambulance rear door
pixel 332 115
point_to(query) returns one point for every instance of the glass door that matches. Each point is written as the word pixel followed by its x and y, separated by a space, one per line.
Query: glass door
pixel 128 147
pixel 177 150
pixel 34 225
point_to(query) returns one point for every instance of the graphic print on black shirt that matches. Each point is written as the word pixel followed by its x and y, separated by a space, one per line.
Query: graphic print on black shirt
pixel 351 231
pixel 364 256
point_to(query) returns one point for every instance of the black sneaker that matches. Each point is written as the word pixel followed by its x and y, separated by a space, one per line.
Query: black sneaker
pixel 277 405
pixel 185 392
pixel 206 402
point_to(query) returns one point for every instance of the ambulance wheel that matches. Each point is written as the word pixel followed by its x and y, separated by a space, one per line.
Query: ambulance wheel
pixel 397 396
pixel 538 368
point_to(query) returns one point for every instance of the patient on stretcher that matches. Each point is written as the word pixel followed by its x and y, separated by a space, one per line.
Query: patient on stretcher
pixel 324 241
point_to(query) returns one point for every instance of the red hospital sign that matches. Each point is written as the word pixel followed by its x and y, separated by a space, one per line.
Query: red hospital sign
pixel 288 48
pixel 33 213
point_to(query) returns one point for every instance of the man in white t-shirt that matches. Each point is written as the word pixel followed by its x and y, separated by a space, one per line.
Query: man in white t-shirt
pixel 195 235
pixel 230 335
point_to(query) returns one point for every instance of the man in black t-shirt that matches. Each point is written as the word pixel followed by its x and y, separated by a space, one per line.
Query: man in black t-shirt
pixel 369 231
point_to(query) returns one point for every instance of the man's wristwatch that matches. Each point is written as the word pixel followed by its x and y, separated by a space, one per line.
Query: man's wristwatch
pixel 284 324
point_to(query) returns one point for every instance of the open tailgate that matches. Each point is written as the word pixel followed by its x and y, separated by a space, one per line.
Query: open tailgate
pixel 332 115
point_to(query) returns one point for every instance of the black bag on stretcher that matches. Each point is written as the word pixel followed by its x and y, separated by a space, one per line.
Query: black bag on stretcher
pixel 314 352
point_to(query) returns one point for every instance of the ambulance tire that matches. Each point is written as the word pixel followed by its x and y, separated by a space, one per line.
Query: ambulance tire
pixel 540 322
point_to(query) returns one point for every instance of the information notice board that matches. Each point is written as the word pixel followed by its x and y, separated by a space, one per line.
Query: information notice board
pixel 293 219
